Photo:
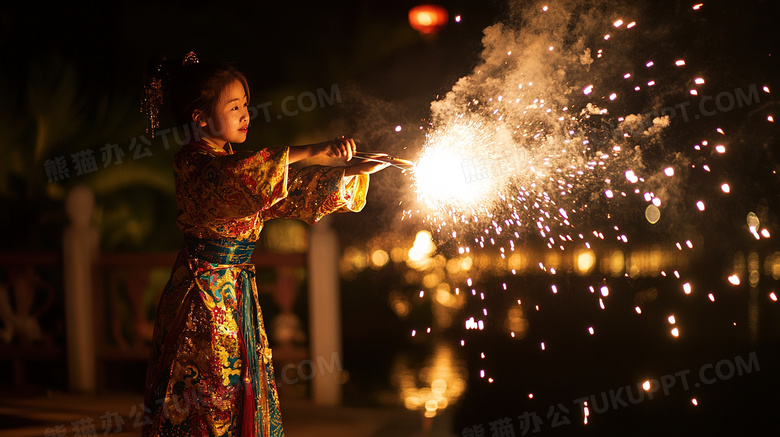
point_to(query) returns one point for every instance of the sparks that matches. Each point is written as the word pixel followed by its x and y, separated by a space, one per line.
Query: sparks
pixel 520 158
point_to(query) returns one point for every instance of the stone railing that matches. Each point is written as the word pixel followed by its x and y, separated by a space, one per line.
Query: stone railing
pixel 102 305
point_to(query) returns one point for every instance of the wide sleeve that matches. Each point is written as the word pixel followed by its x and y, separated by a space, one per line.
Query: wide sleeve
pixel 314 191
pixel 234 185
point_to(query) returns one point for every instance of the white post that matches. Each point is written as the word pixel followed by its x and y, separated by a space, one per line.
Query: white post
pixel 78 252
pixel 325 314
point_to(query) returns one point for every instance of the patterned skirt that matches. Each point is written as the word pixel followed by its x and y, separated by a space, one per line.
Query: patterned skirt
pixel 210 370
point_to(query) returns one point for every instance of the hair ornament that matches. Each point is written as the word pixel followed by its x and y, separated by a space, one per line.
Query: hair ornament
pixel 152 98
pixel 158 73
pixel 189 59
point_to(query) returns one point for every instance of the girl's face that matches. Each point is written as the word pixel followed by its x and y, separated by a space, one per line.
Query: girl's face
pixel 230 120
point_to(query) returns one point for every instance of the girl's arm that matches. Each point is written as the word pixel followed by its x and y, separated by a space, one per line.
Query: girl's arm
pixel 340 147
pixel 335 148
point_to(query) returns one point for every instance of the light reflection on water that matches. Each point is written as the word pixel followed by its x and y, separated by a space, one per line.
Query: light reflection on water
pixel 446 280
pixel 433 385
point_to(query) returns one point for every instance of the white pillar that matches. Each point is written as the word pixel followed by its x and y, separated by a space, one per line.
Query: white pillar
pixel 78 252
pixel 325 314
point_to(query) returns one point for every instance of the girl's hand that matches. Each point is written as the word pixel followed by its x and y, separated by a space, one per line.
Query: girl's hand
pixel 339 148
pixel 366 167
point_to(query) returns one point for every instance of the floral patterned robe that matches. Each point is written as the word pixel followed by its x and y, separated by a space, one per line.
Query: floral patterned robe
pixel 194 380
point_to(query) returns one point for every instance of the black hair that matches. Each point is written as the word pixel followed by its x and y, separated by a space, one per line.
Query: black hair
pixel 193 85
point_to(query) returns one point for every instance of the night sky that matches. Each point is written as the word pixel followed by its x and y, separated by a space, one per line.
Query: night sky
pixel 286 44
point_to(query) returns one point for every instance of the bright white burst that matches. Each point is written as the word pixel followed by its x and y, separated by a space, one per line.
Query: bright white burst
pixel 455 172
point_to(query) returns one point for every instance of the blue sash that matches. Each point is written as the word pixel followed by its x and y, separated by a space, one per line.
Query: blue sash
pixel 220 251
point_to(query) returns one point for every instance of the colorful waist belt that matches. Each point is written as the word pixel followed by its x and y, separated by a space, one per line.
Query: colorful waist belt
pixel 220 251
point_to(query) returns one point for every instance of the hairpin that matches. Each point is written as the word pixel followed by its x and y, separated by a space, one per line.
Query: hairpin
pixel 189 59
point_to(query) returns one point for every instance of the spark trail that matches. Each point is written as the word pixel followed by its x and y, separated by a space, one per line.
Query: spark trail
pixel 558 128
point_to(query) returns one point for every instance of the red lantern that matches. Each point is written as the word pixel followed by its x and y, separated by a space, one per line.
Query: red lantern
pixel 427 19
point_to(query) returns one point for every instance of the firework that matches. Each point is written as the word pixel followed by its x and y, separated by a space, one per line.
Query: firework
pixel 540 140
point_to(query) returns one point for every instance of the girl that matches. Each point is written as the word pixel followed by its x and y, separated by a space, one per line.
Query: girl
pixel 210 371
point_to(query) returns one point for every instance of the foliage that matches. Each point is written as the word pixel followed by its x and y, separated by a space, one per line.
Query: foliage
pixel 55 114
